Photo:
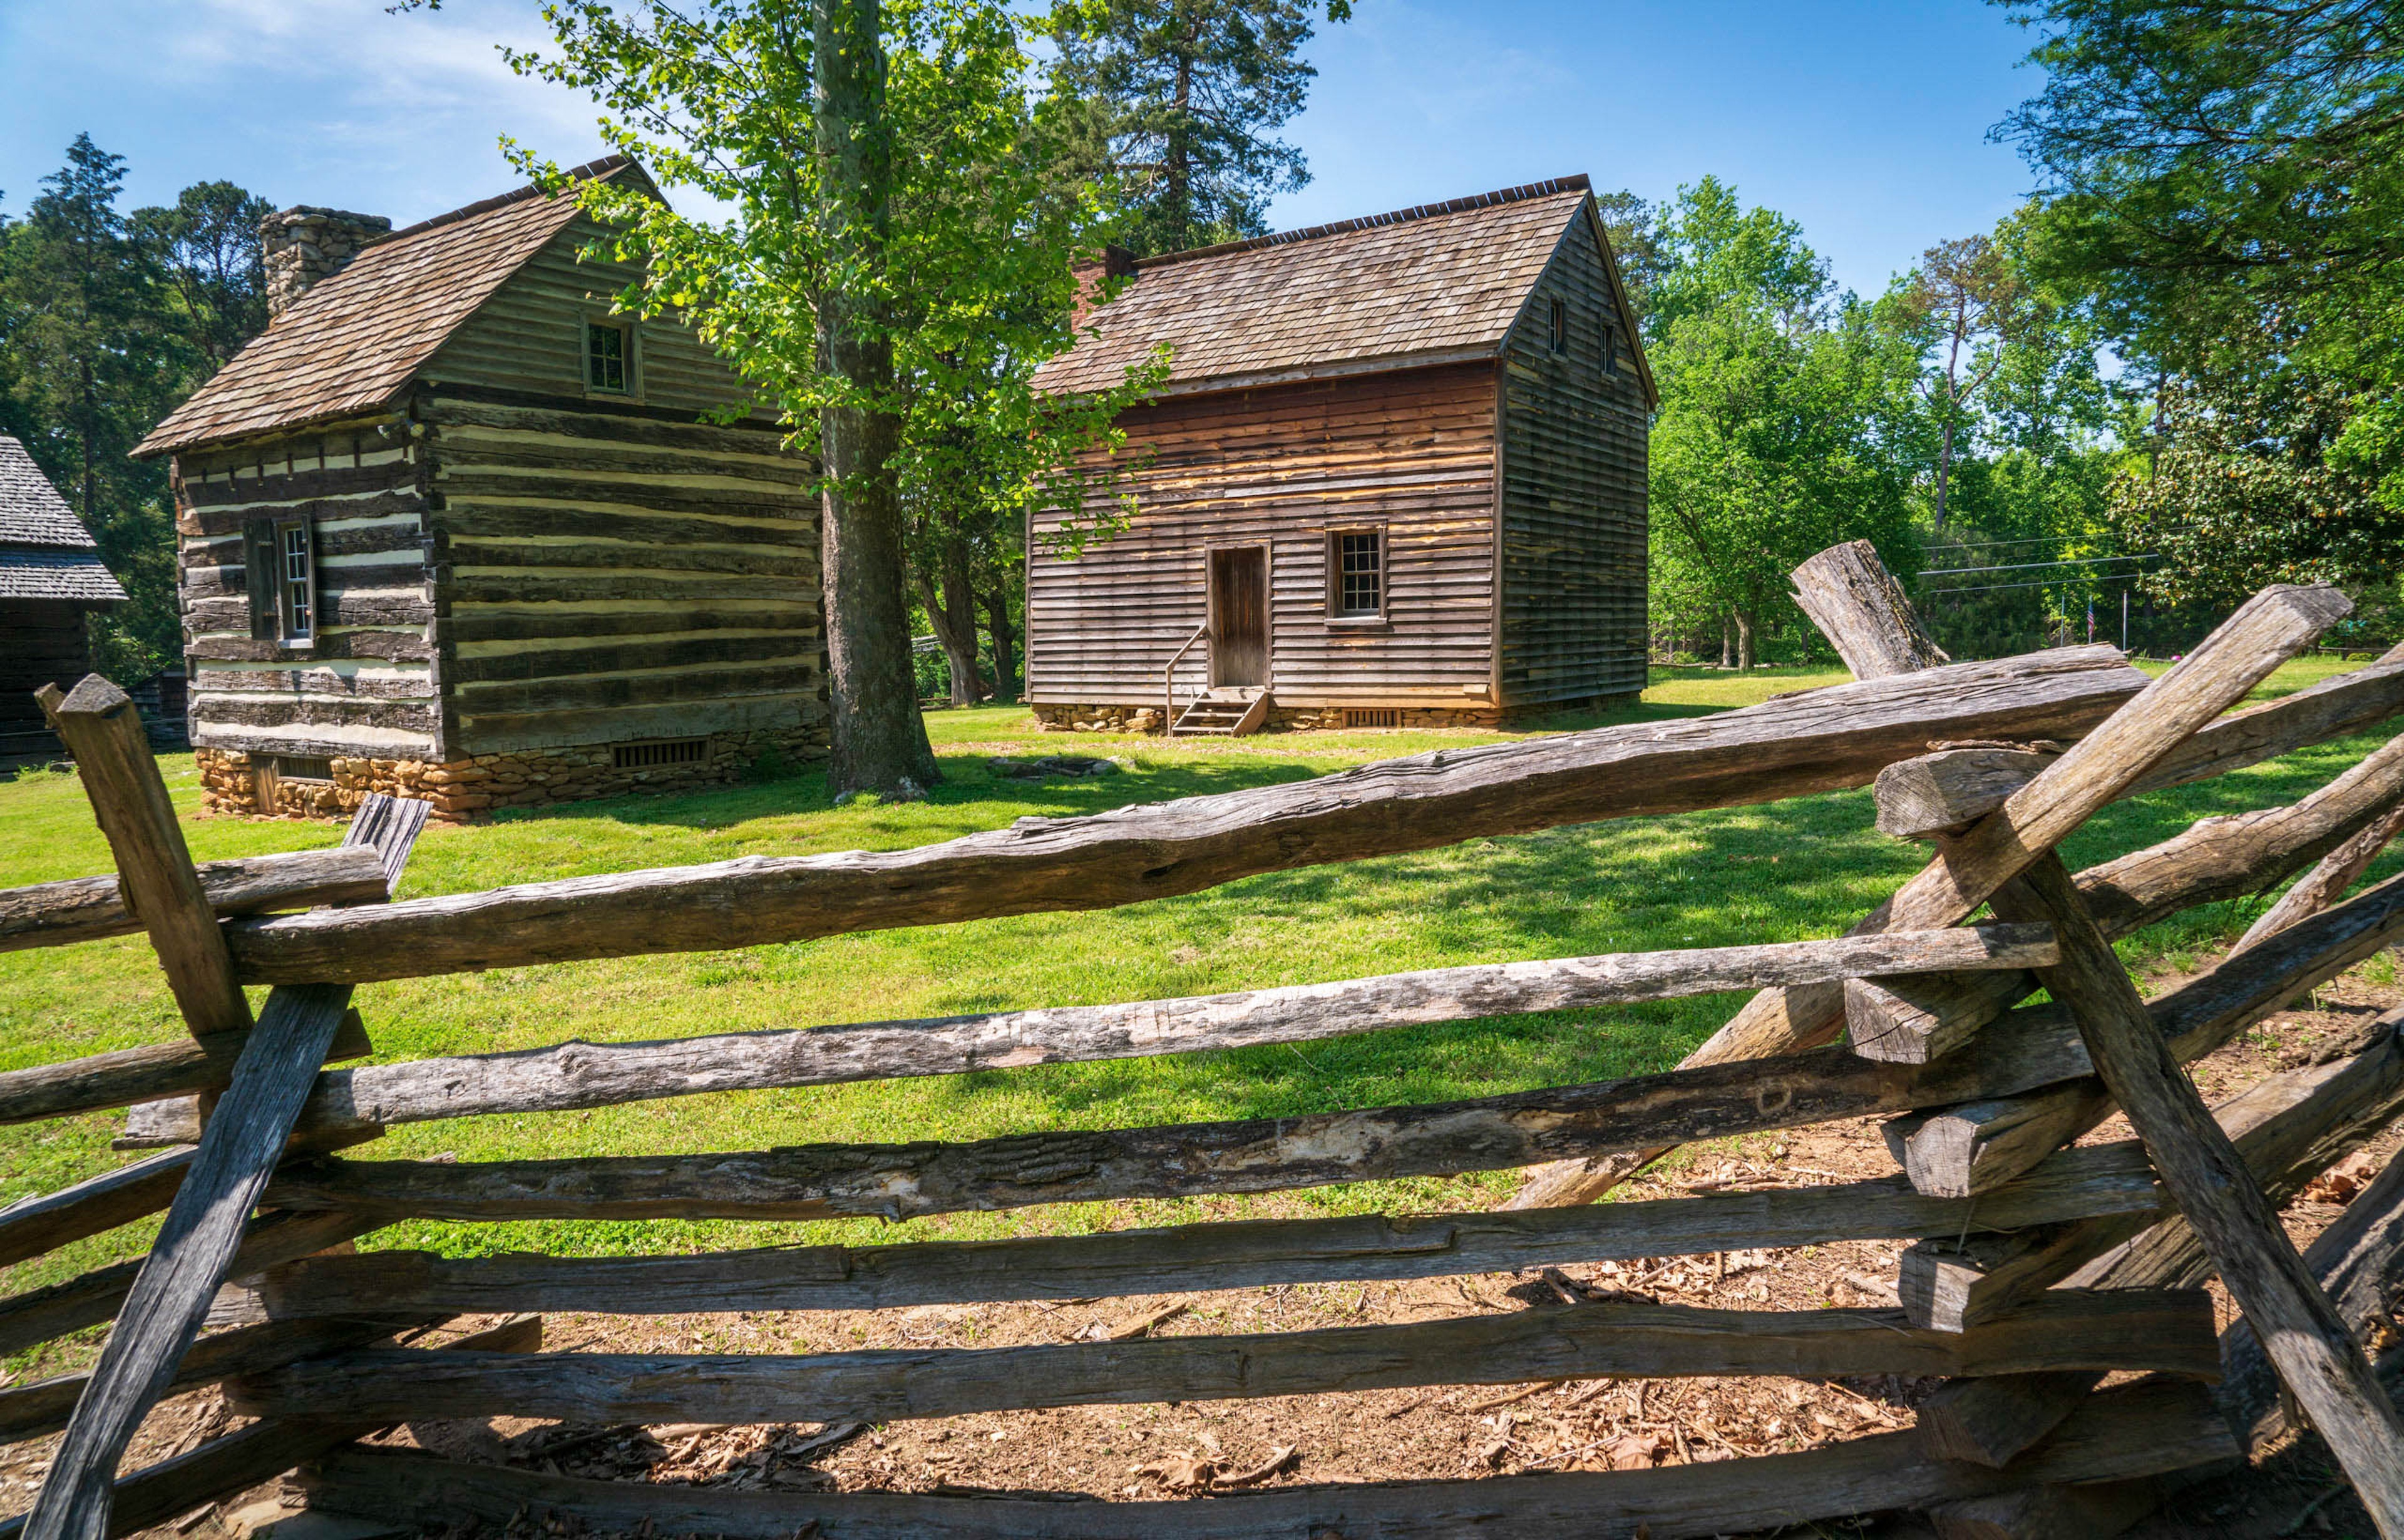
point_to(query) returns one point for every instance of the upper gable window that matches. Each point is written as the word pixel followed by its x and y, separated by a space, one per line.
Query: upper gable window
pixel 609 361
pixel 1556 331
pixel 1610 348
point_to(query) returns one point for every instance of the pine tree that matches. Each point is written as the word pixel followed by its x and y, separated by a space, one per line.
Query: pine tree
pixel 1187 97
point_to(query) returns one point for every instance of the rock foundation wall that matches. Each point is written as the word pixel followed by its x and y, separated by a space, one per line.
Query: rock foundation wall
pixel 1147 718
pixel 231 781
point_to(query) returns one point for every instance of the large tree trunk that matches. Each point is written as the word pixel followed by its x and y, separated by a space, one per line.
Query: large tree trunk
pixel 879 740
pixel 1744 648
pixel 1005 643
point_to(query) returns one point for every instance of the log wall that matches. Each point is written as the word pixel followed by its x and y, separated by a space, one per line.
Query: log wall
pixel 1572 542
pixel 42 641
pixel 1278 466
pixel 515 574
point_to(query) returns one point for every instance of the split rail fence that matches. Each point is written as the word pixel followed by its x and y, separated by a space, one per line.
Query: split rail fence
pixel 2040 1266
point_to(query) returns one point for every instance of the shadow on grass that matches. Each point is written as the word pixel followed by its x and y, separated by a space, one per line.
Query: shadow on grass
pixel 1810 866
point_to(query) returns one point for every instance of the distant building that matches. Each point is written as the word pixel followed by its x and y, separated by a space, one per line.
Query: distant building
pixel 1397 477
pixel 51 582
pixel 452 528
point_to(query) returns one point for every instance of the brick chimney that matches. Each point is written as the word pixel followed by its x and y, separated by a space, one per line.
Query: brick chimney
pixel 1090 273
pixel 300 245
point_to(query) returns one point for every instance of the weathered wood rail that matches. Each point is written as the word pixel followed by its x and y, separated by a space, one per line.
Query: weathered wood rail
pixel 2040 1265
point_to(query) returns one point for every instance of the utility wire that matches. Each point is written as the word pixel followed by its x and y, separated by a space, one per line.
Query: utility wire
pixel 2031 567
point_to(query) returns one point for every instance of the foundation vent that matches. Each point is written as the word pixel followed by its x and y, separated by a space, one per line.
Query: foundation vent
pixel 1374 716
pixel 642 756
pixel 303 767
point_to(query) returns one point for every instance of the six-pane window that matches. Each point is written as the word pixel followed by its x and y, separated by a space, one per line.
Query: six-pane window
pixel 604 356
pixel 1360 573
pixel 300 584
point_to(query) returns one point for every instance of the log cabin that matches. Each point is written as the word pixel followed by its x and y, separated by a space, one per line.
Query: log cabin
pixel 51 584
pixel 1395 478
pixel 455 527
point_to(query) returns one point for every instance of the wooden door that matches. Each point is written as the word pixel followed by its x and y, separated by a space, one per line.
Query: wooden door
pixel 1239 616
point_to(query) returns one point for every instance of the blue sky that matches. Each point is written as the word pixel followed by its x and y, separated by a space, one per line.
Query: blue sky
pixel 1866 121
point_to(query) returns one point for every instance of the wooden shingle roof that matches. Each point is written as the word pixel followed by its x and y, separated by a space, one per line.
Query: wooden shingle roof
pixel 45 551
pixel 352 342
pixel 1422 285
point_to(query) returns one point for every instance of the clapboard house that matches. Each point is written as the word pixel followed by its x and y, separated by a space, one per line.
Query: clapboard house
pixel 51 584
pixel 451 528
pixel 1396 477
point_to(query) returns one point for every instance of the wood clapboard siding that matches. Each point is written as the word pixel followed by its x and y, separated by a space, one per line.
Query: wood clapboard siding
pixel 366 686
pixel 603 576
pixel 1280 466
pixel 1573 546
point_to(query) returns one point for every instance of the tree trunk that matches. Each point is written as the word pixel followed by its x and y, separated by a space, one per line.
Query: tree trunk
pixel 1745 652
pixel 1727 643
pixel 1005 643
pixel 953 614
pixel 878 738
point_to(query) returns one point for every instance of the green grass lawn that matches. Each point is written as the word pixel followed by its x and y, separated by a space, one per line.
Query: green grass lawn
pixel 1803 868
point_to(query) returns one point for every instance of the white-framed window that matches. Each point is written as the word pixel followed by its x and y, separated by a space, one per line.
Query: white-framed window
pixel 609 358
pixel 1356 574
pixel 297 581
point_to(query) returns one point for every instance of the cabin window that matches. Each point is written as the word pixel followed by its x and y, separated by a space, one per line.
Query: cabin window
pixel 280 571
pixel 299 576
pixel 1610 348
pixel 1356 574
pixel 1557 332
pixel 607 361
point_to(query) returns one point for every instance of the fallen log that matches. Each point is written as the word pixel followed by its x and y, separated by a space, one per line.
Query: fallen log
pixel 261 1452
pixel 2028 1049
pixel 53 914
pixel 2317 1358
pixel 1819 741
pixel 2079 1184
pixel 2169 1331
pixel 598 1074
pixel 2289 1128
pixel 2217 858
pixel 2134 1432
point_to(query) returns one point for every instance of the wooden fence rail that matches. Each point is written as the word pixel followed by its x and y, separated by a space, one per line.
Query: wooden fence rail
pixel 2039 1267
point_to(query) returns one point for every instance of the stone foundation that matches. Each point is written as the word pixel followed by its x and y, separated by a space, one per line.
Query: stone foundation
pixel 460 790
pixel 1147 718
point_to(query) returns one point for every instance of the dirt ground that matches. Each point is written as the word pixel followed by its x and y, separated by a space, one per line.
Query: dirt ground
pixel 1154 1450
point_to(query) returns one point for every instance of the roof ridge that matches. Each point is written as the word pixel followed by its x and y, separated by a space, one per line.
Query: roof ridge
pixel 1579 183
pixel 589 171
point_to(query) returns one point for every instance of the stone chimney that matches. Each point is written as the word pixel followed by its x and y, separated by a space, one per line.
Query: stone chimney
pixel 302 244
pixel 1090 273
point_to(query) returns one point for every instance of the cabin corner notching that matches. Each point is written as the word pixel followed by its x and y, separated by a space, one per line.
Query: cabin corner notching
pixel 1396 478
pixel 452 528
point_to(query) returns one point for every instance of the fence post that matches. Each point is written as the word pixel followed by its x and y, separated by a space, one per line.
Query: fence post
pixel 101 728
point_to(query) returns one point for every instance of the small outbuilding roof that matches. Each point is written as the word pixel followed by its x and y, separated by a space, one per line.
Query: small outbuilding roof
pixel 1439 283
pixel 45 551
pixel 355 341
